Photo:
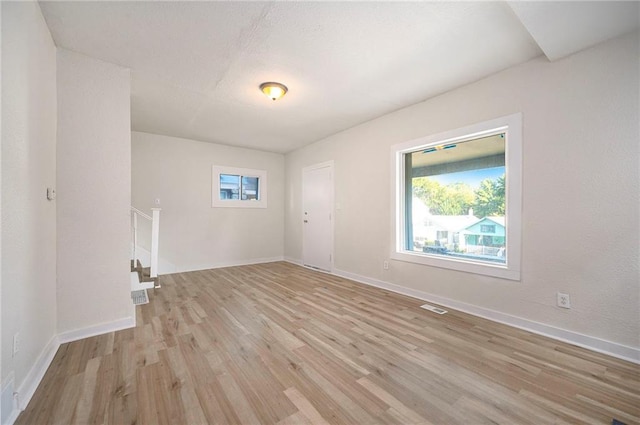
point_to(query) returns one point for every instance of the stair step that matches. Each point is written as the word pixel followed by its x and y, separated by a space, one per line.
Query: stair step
pixel 136 285
pixel 144 274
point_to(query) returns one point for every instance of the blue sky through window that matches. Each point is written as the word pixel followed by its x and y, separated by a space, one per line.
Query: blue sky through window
pixel 229 178
pixel 471 177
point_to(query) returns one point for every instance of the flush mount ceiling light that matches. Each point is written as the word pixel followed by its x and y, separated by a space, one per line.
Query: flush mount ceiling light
pixel 274 91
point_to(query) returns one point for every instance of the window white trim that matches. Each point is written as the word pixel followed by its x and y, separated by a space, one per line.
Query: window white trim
pixel 216 202
pixel 512 126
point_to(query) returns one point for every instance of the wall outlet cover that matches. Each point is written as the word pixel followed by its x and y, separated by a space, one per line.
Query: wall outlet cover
pixel 563 300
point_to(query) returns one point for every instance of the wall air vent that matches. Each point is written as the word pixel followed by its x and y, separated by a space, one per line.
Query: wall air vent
pixel 140 297
pixel 433 308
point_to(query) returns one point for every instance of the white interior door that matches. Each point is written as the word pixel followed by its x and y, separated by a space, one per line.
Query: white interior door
pixel 317 211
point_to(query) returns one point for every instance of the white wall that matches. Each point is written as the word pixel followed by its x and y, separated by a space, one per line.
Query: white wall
pixel 28 167
pixel 94 192
pixel 580 196
pixel 193 235
pixel 2 380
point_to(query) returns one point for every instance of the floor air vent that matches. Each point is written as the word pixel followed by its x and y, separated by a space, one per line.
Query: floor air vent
pixel 140 297
pixel 433 308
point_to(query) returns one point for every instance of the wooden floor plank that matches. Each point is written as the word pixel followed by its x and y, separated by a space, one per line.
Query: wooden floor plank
pixel 281 344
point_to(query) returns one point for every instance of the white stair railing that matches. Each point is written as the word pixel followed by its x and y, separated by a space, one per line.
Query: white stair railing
pixel 154 218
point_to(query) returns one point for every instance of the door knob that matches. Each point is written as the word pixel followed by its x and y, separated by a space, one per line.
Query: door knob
pixel 306 221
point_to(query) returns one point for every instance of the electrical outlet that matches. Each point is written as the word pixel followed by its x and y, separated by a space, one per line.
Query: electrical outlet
pixel 385 265
pixel 563 300
pixel 16 344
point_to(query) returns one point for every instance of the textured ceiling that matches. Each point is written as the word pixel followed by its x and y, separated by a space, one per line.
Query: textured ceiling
pixel 196 66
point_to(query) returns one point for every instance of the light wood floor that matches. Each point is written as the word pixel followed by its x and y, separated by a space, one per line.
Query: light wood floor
pixel 280 344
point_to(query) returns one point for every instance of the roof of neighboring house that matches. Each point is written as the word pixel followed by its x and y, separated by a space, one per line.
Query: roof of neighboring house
pixel 497 220
pixel 453 223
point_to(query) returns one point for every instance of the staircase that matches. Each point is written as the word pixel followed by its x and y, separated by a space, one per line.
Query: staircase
pixel 140 282
pixel 143 278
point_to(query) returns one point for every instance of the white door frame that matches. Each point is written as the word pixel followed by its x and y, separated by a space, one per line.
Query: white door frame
pixel 331 207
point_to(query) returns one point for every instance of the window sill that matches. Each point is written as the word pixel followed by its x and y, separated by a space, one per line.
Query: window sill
pixel 481 268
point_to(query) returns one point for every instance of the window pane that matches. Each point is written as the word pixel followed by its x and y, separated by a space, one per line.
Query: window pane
pixel 229 186
pixel 250 188
pixel 455 202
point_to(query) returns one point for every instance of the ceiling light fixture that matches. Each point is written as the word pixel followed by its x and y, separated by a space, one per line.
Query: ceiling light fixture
pixel 274 91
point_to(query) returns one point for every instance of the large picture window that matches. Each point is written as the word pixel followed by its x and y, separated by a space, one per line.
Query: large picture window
pixel 238 187
pixel 457 199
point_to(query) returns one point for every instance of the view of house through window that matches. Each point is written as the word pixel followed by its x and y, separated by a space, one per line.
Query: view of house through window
pixel 455 200
pixel 239 187
pixel 234 187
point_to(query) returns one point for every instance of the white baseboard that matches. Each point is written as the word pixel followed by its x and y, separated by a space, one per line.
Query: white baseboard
pixel 34 377
pixel 229 264
pixel 165 267
pixel 585 341
pixel 28 387
pixel 103 328
pixel 296 261
pixel 8 409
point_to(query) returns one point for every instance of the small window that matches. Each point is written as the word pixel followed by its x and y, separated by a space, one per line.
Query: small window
pixel 250 188
pixel 239 187
pixel 229 186
pixel 457 199
pixel 488 228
